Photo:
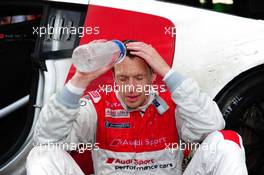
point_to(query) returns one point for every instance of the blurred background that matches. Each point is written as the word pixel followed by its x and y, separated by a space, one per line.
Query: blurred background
pixel 246 8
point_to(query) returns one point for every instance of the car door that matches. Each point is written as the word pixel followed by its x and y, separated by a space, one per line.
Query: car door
pixel 28 54
pixel 18 78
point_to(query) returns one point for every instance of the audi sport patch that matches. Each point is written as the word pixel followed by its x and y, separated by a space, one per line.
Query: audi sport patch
pixel 138 164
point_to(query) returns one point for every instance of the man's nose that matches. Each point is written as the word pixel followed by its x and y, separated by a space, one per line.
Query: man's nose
pixel 132 85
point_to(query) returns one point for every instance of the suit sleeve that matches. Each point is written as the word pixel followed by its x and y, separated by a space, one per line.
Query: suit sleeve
pixel 197 115
pixel 66 118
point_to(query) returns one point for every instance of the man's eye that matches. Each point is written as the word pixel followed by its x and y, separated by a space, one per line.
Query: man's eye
pixel 139 78
pixel 122 79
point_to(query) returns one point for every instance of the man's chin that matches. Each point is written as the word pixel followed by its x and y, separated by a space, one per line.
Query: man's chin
pixel 132 105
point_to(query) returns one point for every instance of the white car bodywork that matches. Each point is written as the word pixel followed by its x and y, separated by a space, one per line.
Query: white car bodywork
pixel 211 47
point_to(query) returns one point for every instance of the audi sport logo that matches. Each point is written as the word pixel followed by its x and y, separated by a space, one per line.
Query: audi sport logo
pixel 137 164
pixel 138 142
pixel 129 161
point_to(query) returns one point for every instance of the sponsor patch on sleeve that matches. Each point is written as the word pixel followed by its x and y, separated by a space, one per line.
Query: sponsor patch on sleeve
pixel 95 96
pixel 160 105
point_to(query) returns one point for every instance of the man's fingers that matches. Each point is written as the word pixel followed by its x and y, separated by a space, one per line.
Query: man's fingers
pixel 136 44
pixel 140 54
pixel 134 48
pixel 139 46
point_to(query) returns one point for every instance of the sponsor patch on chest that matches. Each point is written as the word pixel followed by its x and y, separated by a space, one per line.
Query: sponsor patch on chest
pixel 116 125
pixel 116 113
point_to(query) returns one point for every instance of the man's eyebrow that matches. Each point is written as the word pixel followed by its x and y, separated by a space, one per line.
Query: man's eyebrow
pixel 122 76
pixel 139 75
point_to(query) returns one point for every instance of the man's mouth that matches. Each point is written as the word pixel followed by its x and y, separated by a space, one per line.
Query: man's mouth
pixel 132 98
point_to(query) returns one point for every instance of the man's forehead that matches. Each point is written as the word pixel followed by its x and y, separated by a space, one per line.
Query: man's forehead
pixel 134 66
pixel 130 72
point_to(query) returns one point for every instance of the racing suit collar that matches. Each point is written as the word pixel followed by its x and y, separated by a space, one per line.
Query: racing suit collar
pixel 153 98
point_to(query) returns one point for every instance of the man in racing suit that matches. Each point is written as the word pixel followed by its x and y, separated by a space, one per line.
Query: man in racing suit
pixel 132 131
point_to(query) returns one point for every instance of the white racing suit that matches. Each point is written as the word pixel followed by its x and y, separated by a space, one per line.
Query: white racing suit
pixel 149 140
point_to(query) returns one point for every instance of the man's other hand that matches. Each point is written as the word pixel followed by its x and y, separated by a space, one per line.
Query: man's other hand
pixel 150 55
